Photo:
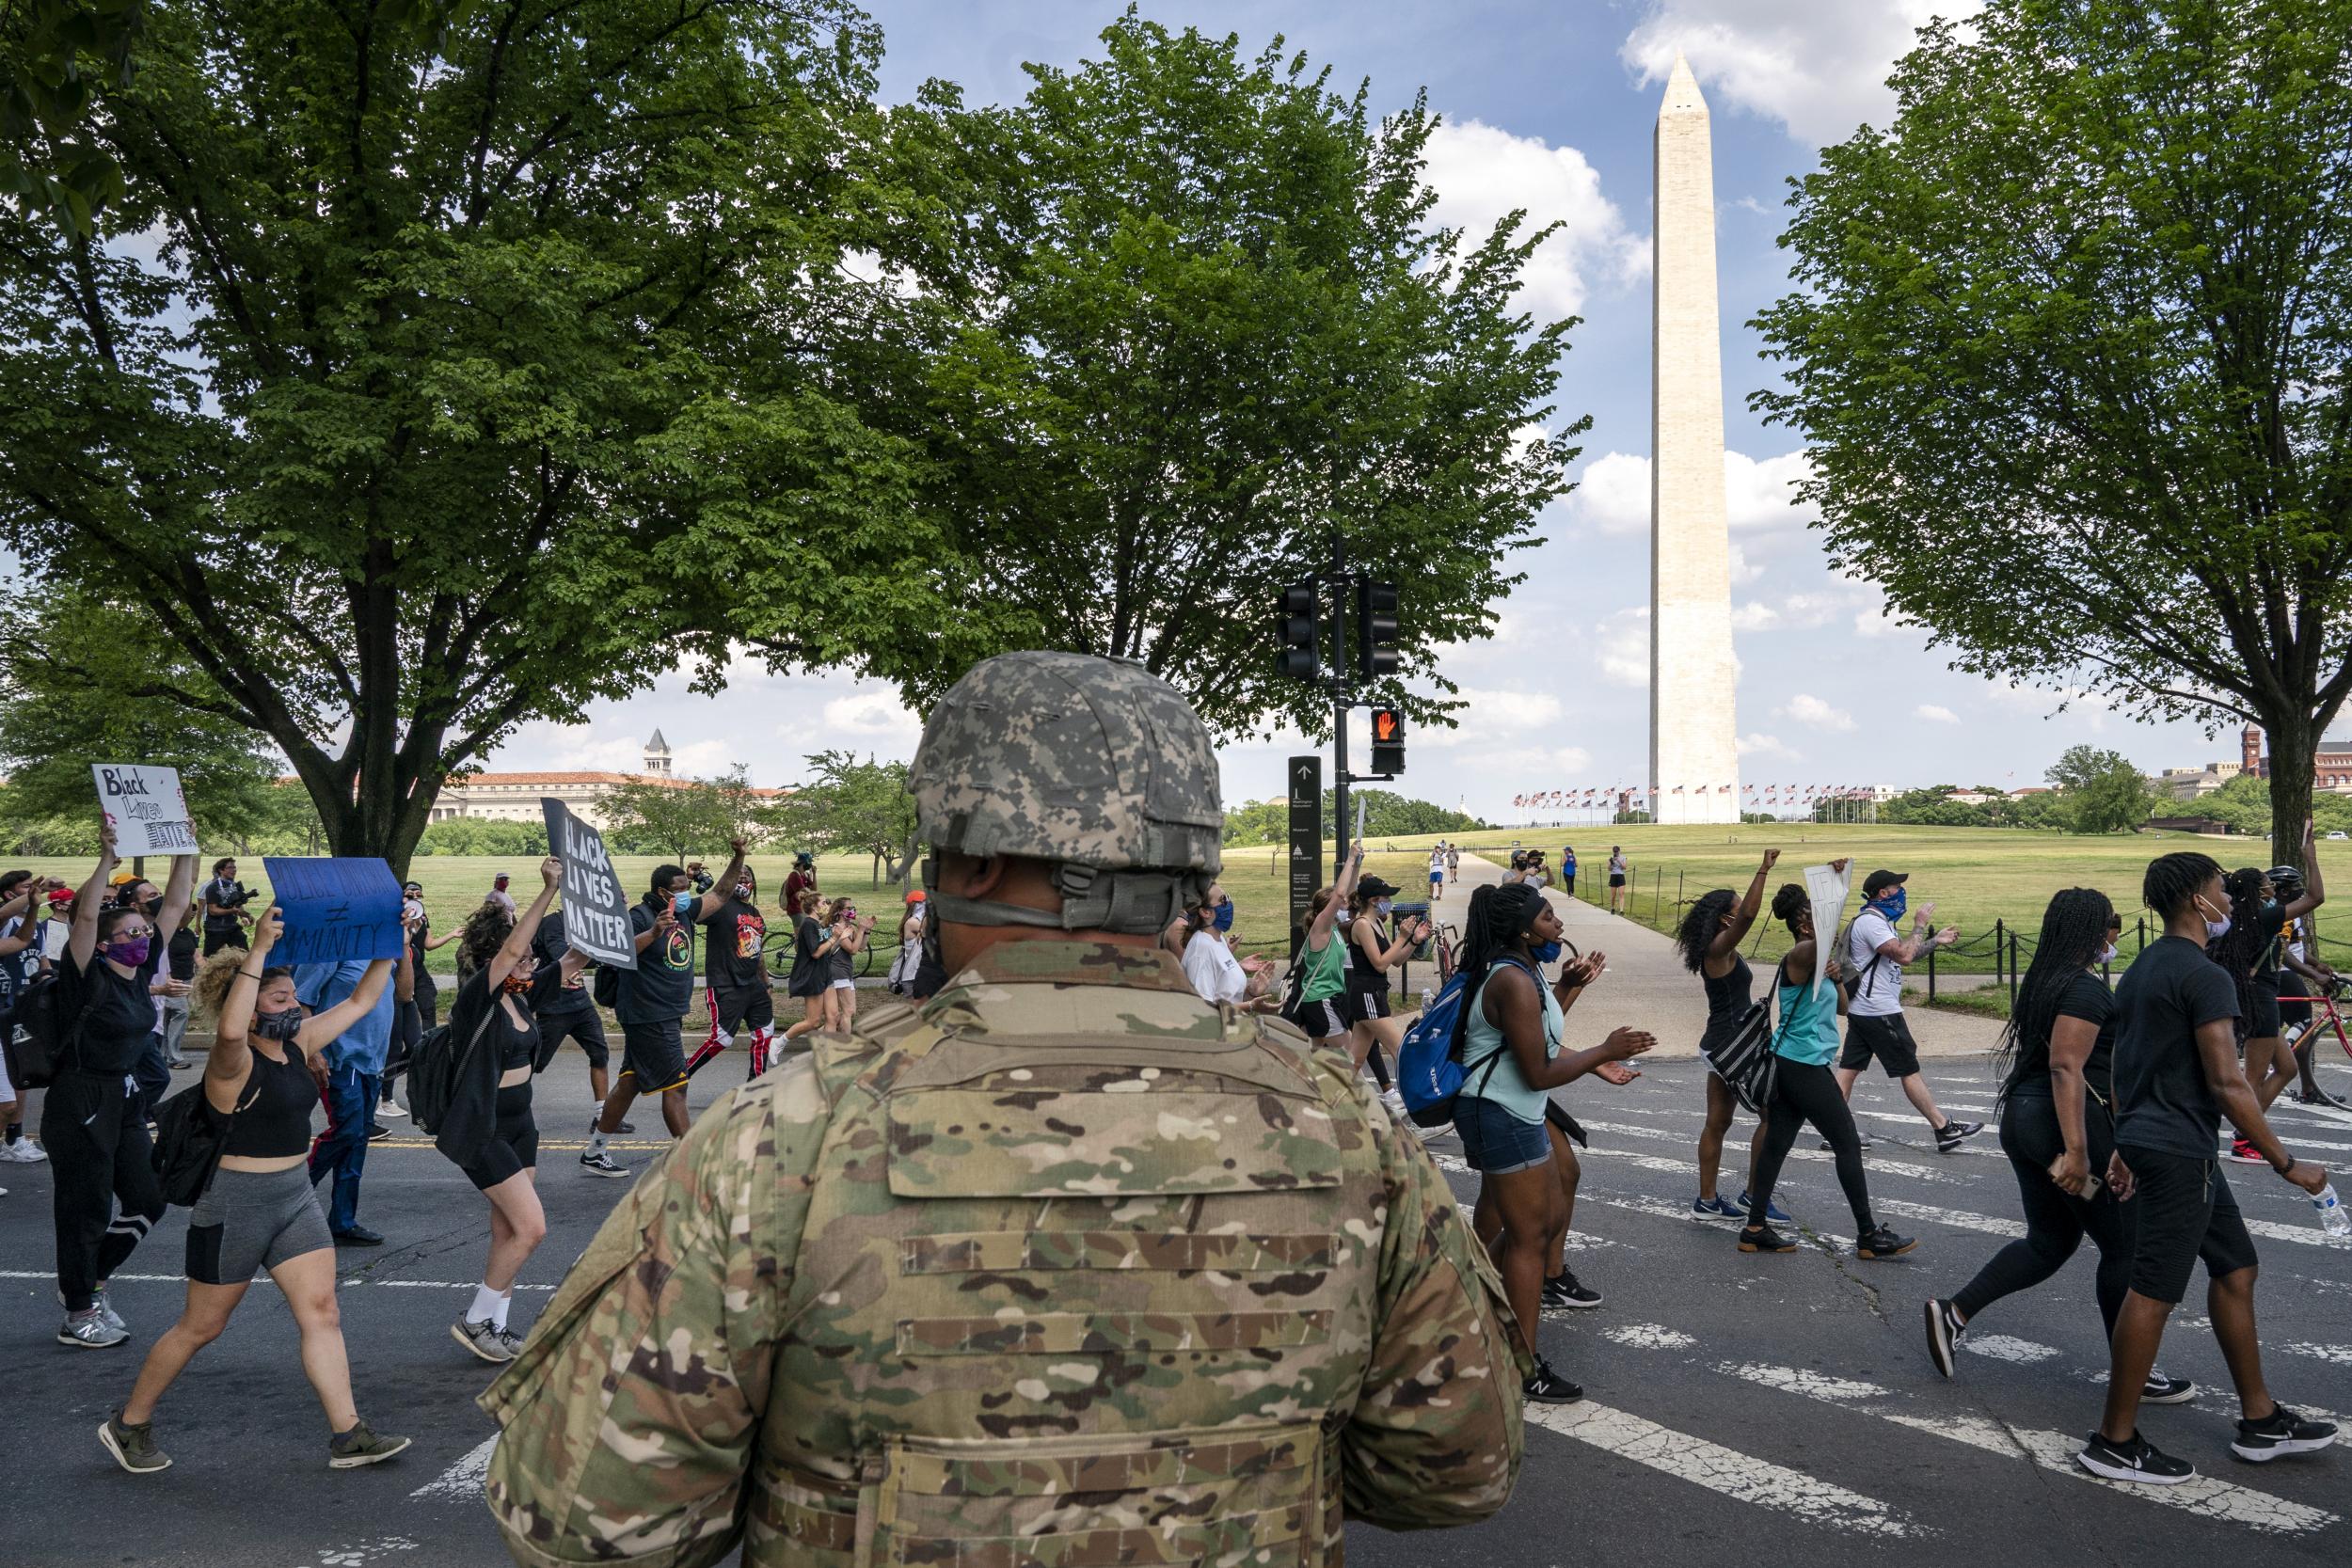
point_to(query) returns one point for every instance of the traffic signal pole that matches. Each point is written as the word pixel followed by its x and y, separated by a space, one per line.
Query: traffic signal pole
pixel 1301 619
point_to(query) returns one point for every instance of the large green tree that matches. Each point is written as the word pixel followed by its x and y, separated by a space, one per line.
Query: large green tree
pixel 2069 350
pixel 848 804
pixel 682 817
pixel 424 380
pixel 1180 320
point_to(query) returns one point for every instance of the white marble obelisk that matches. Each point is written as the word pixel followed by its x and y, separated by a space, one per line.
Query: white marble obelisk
pixel 1694 751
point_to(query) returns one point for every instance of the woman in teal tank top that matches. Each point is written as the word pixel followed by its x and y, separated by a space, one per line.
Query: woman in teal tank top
pixel 1804 1090
pixel 1508 1040
pixel 1321 1007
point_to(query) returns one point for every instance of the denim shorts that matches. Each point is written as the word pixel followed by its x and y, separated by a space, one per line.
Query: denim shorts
pixel 1494 1141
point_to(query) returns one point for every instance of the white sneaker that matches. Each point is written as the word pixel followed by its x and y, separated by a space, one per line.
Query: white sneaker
pixel 22 1152
pixel 390 1108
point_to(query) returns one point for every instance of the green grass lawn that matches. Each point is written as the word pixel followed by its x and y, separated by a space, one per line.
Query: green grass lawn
pixel 1975 876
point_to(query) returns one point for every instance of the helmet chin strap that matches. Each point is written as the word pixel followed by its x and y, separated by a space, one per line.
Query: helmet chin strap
pixel 1128 903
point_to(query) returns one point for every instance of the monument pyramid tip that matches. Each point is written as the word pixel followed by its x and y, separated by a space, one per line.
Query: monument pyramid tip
pixel 1682 89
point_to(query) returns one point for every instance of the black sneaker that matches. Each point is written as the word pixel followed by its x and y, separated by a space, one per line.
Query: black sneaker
pixel 378 1131
pixel 2160 1389
pixel 1565 1291
pixel 361 1445
pixel 2137 1460
pixel 1943 1331
pixel 601 1163
pixel 133 1446
pixel 2281 1432
pixel 1763 1238
pixel 1878 1241
pixel 1953 1133
pixel 358 1235
pixel 1548 1388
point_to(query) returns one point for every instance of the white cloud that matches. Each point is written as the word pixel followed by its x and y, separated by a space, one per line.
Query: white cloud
pixel 1817 66
pixel 1481 173
pixel 1743 571
pixel 1937 712
pixel 1624 668
pixel 1490 712
pixel 1760 745
pixel 1612 493
pixel 1811 711
pixel 1623 639
pixel 1571 760
pixel 875 718
pixel 1754 615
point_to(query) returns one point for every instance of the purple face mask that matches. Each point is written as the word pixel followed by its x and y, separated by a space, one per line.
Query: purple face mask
pixel 131 952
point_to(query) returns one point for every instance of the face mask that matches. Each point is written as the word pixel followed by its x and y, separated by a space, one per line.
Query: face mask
pixel 683 906
pixel 2106 954
pixel 1224 915
pixel 517 984
pixel 283 1024
pixel 743 891
pixel 2215 930
pixel 1546 952
pixel 131 952
pixel 1892 905
pixel 1382 906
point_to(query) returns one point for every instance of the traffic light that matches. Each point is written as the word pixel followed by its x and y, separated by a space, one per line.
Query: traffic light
pixel 1376 630
pixel 1388 741
pixel 1296 619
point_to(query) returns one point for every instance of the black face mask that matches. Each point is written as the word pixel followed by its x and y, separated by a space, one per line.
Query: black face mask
pixel 281 1025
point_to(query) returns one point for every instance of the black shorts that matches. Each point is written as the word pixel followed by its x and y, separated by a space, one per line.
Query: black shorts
pixel 1885 1035
pixel 1366 1003
pixel 1616 878
pixel 2262 1023
pixel 731 1006
pixel 2182 1211
pixel 1332 1015
pixel 2299 1011
pixel 514 1146
pixel 654 1055
pixel 585 1027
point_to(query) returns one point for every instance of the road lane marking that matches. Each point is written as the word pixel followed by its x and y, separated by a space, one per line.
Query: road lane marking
pixel 341 1281
pixel 2003 1347
pixel 2053 1451
pixel 1740 1476
pixel 1650 1336
pixel 464 1479
pixel 1810 1156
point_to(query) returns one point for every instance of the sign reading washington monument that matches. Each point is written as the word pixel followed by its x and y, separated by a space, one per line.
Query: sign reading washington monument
pixel 1694 757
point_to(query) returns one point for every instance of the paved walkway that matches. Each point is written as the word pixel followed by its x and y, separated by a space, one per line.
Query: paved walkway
pixel 1646 985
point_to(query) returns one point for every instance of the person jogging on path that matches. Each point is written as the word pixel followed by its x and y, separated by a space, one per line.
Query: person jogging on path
pixel 260 1213
pixel 735 982
pixel 653 1000
pixel 1709 939
pixel 1453 862
pixel 2058 1128
pixel 1875 1025
pixel 2176 1078
pixel 1804 1091
pixel 1437 873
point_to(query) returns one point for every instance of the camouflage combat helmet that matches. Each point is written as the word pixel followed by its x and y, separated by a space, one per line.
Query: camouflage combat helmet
pixel 1093 764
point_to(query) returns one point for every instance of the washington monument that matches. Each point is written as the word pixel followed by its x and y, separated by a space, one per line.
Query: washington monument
pixel 1693 756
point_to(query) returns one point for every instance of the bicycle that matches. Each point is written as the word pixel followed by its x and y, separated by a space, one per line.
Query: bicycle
pixel 2324 1016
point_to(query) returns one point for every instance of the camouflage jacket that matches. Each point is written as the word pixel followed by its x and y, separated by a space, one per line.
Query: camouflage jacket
pixel 1067 1267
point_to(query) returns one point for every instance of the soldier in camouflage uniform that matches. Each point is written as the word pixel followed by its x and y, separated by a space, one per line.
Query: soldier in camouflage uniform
pixel 1065 1266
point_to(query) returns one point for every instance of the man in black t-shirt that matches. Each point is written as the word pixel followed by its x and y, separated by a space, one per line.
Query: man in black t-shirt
pixel 2176 1077
pixel 653 998
pixel 734 986
pixel 225 916
pixel 567 1010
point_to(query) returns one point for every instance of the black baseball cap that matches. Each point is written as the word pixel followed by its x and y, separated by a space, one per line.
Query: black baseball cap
pixel 1374 887
pixel 1879 881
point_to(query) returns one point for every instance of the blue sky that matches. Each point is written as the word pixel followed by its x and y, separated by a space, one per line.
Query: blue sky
pixel 1549 106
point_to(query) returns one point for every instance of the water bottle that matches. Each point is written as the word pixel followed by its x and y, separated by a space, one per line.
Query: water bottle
pixel 2333 1218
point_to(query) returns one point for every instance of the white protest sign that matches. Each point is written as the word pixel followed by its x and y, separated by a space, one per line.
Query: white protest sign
pixel 595 910
pixel 145 808
pixel 1827 888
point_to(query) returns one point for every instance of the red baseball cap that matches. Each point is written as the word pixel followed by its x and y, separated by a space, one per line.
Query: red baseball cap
pixel 60 896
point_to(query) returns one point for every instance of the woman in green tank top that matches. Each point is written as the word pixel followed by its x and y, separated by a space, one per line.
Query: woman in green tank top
pixel 1322 1008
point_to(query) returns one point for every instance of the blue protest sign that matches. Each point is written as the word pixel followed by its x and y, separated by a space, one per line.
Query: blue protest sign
pixel 335 910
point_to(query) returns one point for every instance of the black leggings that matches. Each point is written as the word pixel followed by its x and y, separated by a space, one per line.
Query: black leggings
pixel 1808 1093
pixel 2056 1221
pixel 104 1195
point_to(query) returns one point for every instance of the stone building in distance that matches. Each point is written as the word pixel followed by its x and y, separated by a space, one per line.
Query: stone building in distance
pixel 515 797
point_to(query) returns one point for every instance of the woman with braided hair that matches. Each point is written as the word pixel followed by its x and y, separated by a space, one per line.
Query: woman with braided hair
pixel 2058 1128
pixel 1509 1039
pixel 1804 1090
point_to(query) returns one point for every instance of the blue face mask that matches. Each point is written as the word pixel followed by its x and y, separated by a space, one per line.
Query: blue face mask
pixel 1224 915
pixel 1892 905
pixel 1545 953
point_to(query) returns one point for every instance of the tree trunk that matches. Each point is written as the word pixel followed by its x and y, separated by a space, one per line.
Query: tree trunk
pixel 2294 745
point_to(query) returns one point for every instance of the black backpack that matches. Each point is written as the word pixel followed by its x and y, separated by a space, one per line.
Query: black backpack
pixel 47 1034
pixel 190 1137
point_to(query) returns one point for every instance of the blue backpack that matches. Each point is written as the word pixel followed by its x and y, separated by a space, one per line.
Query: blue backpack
pixel 1429 1072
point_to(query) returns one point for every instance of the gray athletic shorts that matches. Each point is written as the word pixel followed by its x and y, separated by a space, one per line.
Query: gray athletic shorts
pixel 250 1222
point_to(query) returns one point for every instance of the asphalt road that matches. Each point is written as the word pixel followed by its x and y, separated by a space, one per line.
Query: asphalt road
pixel 1779 1409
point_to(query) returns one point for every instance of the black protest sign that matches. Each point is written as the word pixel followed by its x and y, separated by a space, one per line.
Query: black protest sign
pixel 595 910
